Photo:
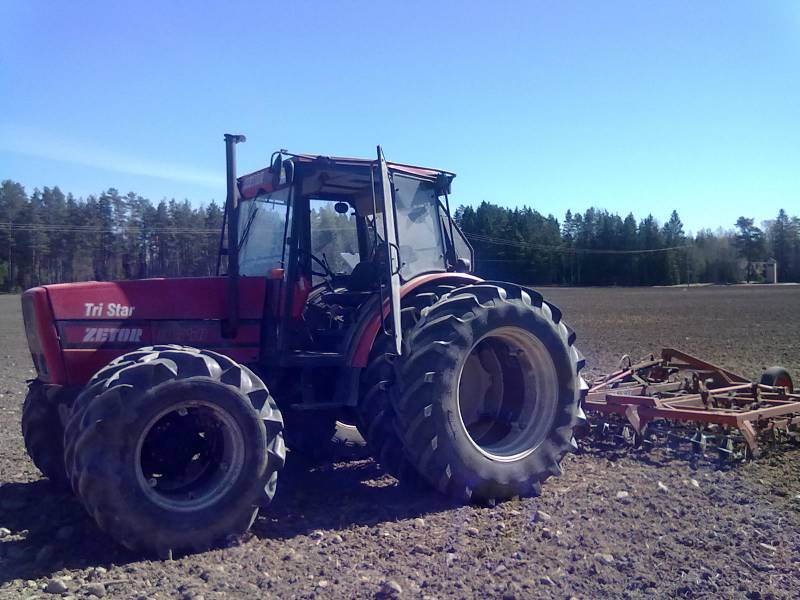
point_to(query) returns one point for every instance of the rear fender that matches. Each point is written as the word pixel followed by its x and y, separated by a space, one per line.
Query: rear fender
pixel 364 339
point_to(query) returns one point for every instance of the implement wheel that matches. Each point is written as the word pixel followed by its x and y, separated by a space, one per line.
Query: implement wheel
pixel 778 377
pixel 491 393
pixel 174 449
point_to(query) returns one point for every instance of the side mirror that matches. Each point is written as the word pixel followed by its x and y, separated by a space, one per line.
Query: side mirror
pixel 282 171
pixel 276 168
pixel 442 184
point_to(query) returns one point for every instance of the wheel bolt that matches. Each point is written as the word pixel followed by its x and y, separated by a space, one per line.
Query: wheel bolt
pixel 152 482
pixel 183 412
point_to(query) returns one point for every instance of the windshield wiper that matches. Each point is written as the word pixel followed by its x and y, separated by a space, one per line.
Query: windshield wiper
pixel 246 231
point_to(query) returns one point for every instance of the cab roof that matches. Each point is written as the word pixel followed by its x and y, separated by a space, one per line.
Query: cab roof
pixel 335 175
pixel 365 163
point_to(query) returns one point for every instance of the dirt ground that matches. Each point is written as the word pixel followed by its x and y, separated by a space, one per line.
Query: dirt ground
pixel 347 531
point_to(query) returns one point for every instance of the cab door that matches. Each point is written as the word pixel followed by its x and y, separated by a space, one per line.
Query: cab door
pixel 390 237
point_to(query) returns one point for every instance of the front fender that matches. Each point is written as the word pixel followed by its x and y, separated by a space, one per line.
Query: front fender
pixel 362 342
pixel 40 330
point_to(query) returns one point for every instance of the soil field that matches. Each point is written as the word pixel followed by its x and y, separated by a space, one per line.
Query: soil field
pixel 347 531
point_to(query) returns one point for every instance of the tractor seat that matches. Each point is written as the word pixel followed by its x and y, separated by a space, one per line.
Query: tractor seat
pixel 365 277
pixel 362 282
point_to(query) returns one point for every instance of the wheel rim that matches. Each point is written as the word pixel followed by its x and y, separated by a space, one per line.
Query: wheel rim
pixel 189 455
pixel 507 394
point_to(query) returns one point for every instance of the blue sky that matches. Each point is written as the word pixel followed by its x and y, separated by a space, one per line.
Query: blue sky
pixel 629 106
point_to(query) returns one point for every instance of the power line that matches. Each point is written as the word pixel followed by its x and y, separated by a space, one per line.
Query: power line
pixel 566 250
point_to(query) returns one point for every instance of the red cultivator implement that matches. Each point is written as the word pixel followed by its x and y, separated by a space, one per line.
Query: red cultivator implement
pixel 678 391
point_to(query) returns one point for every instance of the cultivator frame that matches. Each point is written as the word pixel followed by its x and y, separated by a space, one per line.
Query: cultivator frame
pixel 679 388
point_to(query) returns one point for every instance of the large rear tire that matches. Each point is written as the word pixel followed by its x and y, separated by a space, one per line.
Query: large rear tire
pixel 173 449
pixel 43 433
pixel 376 415
pixel 491 393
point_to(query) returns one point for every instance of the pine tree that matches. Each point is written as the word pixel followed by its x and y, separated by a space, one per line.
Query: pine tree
pixel 652 270
pixel 780 240
pixel 628 243
pixel 750 241
pixel 212 222
pixel 13 200
pixel 674 259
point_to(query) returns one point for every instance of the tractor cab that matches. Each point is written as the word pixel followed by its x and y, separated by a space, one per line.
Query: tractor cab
pixel 336 239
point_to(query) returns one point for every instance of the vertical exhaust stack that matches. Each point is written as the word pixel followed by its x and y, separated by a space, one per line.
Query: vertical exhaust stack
pixel 231 326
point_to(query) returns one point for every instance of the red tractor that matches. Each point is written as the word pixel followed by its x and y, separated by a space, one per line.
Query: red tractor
pixel 167 404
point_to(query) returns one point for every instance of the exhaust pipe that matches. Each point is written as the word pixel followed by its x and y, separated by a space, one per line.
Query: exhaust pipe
pixel 231 325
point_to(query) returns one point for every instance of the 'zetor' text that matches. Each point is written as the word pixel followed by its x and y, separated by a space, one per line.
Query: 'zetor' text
pixel 108 310
pixel 112 334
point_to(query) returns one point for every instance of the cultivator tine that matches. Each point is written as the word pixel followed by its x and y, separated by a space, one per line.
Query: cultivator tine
pixel 699 442
pixel 774 438
pixel 647 439
pixel 629 435
pixel 674 440
pixel 725 450
pixel 751 439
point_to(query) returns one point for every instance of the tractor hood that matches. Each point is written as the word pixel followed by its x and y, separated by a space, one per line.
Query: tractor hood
pixel 75 329
pixel 146 299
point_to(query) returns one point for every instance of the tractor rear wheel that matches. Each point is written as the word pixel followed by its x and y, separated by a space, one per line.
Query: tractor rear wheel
pixel 376 415
pixel 43 433
pixel 491 393
pixel 175 450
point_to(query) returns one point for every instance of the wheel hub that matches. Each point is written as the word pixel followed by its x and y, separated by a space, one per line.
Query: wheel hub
pixel 507 394
pixel 188 455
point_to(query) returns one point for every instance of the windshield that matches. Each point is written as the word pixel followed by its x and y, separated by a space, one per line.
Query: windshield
pixel 459 246
pixel 419 232
pixel 262 229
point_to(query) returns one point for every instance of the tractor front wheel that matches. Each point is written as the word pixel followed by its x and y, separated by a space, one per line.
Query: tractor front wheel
pixel 176 450
pixel 42 432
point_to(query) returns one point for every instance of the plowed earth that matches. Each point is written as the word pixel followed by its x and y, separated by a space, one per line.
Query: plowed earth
pixel 345 530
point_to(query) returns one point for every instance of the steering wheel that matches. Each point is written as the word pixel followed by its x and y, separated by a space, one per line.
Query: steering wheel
pixel 326 273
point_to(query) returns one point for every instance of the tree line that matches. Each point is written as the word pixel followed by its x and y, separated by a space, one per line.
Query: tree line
pixel 603 248
pixel 48 236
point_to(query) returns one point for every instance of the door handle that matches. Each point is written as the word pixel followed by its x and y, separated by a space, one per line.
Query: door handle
pixel 399 263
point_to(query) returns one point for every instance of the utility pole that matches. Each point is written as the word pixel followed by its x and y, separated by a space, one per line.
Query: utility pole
pixel 688 271
pixel 10 256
